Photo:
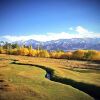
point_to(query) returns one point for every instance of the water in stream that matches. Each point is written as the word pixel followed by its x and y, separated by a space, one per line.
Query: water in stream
pixel 48 75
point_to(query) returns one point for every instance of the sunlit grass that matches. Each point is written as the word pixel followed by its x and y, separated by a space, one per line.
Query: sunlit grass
pixel 29 82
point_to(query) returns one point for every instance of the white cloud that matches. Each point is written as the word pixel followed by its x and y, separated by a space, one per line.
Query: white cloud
pixel 81 30
pixel 46 37
pixel 81 33
pixel 84 33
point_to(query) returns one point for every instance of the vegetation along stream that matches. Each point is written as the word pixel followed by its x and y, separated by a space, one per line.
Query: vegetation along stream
pixel 90 89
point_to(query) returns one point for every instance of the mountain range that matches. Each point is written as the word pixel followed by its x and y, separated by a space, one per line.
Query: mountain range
pixel 64 44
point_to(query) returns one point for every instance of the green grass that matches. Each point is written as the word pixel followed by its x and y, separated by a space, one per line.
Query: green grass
pixel 25 82
pixel 91 89
pixel 75 70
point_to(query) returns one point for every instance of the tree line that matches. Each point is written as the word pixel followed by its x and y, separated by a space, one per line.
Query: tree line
pixel 15 49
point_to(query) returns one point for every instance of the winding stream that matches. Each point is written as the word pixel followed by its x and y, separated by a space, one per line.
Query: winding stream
pixel 48 76
pixel 90 89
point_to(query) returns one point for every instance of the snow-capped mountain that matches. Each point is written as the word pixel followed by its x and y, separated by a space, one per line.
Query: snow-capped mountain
pixel 64 44
pixel 32 42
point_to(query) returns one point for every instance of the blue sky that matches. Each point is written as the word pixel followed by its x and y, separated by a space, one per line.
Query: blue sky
pixel 48 18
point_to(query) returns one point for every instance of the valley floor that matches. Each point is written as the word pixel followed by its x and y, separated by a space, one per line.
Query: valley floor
pixel 23 78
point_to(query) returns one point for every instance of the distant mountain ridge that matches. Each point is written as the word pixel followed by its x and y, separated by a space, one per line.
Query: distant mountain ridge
pixel 64 44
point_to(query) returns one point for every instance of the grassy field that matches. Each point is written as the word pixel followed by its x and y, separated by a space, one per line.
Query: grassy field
pixel 23 78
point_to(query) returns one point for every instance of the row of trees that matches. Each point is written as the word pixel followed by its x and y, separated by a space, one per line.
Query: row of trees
pixel 14 49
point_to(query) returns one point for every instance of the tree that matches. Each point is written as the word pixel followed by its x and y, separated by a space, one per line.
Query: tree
pixel 92 55
pixel 2 50
pixel 1 43
pixel 67 55
pixel 96 56
pixel 53 54
pixel 1 47
pixel 32 52
pixel 56 54
pixel 23 51
pixel 43 53
pixel 79 54
pixel 14 46
pixel 7 45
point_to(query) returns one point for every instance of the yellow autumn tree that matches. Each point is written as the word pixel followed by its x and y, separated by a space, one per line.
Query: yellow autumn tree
pixel 43 53
pixel 92 55
pixel 67 55
pixel 56 54
pixel 79 54
pixel 14 51
pixel 53 54
pixel 59 54
pixel 96 56
pixel 23 51
pixel 2 50
pixel 32 52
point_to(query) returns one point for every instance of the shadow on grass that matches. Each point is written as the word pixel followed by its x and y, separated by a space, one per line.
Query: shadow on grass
pixel 96 61
pixel 90 89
